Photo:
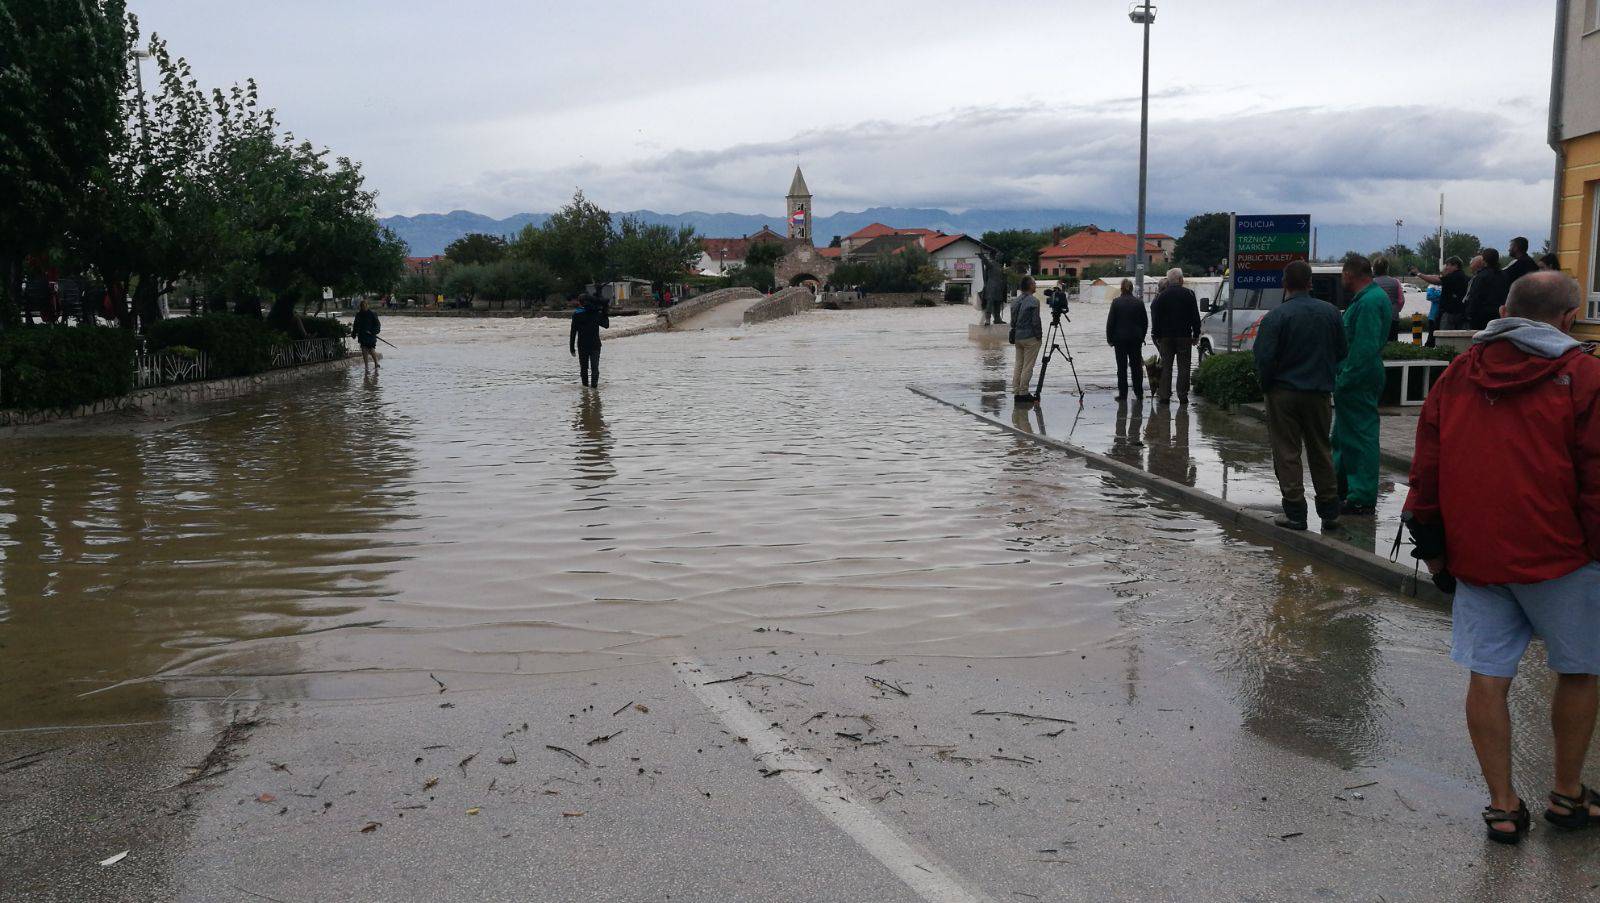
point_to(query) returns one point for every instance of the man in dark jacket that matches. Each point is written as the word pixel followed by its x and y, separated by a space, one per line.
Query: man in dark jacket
pixel 1126 326
pixel 366 327
pixel 1505 504
pixel 1452 284
pixel 1486 294
pixel 1521 264
pixel 1175 325
pixel 1299 345
pixel 1027 331
pixel 588 319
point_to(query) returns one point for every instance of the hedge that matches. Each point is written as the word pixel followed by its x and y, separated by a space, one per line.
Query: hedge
pixel 234 345
pixel 1405 351
pixel 57 367
pixel 325 328
pixel 1228 378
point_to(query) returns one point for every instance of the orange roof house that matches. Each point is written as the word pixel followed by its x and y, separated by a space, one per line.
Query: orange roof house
pixel 1095 247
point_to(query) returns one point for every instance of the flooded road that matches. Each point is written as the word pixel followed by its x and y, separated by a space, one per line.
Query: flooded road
pixel 474 518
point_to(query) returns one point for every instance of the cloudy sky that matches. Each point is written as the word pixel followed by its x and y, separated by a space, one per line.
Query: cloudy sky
pixel 1358 111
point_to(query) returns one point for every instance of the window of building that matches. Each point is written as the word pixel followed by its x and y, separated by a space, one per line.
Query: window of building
pixel 1593 312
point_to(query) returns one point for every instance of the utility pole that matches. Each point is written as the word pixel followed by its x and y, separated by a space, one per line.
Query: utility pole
pixel 1397 224
pixel 1143 14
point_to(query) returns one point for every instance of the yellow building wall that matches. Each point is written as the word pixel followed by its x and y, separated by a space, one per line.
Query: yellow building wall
pixel 1574 236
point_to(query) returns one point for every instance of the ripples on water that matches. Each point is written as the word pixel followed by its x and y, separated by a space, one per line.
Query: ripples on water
pixel 474 510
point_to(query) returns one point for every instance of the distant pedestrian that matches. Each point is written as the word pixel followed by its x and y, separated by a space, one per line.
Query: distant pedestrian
pixel 1356 388
pixel 1027 331
pixel 1126 326
pixel 366 328
pixel 1486 294
pixel 1175 326
pixel 1452 283
pixel 1504 508
pixel 588 318
pixel 1298 349
pixel 1549 262
pixel 1391 287
pixel 1521 264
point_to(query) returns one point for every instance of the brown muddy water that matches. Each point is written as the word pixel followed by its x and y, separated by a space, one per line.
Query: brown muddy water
pixel 474 511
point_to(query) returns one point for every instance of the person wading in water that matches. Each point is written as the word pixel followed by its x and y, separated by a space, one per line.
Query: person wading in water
pixel 584 341
pixel 367 328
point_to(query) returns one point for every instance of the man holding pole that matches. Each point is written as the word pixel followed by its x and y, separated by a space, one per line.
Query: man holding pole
pixel 366 328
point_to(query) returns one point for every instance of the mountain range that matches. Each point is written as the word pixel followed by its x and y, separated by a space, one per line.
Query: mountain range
pixel 427 234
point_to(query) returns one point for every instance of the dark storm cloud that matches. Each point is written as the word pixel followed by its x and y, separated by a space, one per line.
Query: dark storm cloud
pixel 1353 160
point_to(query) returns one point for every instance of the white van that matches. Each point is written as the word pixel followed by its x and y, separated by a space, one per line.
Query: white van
pixel 1252 304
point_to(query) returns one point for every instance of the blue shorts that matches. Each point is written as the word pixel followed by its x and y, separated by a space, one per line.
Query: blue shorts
pixel 1491 625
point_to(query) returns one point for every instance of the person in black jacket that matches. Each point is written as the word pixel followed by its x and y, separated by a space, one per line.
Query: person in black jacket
pixel 366 328
pixel 1126 325
pixel 1175 325
pixel 1521 264
pixel 1452 284
pixel 583 341
pixel 1486 294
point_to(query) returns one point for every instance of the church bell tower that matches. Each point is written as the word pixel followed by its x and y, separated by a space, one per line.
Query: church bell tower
pixel 799 208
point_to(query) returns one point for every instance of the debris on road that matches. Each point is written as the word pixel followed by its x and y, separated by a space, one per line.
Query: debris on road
pixel 1027 716
pixel 885 686
pixel 569 754
pixel 113 860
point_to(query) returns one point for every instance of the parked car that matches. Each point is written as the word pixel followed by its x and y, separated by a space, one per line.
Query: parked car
pixel 1251 305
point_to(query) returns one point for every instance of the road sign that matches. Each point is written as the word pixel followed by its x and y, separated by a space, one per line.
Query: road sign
pixel 1264 244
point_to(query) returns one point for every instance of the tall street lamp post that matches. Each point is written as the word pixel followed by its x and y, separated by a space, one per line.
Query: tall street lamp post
pixel 1142 14
pixel 139 56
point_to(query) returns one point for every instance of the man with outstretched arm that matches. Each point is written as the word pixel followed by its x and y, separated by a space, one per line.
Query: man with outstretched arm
pixel 1505 509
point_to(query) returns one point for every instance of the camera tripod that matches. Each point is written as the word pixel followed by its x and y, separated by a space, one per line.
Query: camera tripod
pixel 1053 342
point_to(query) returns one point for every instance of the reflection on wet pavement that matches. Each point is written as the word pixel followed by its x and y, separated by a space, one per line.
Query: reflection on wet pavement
pixel 1224 454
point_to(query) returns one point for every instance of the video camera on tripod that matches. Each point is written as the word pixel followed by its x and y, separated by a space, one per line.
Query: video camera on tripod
pixel 1060 308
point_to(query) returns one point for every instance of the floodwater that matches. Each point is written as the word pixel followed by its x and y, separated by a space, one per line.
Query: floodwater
pixel 472 510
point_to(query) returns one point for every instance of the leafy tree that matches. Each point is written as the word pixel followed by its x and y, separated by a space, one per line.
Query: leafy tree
pixel 466 280
pixel 1464 245
pixel 1204 241
pixel 1019 248
pixel 910 270
pixel 146 222
pixel 755 275
pixel 656 253
pixel 62 67
pixel 576 241
pixel 764 253
pixel 476 247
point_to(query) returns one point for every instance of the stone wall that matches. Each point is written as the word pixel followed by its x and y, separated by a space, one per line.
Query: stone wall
pixel 672 316
pixel 182 393
pixel 849 301
pixel 802 260
pixel 786 303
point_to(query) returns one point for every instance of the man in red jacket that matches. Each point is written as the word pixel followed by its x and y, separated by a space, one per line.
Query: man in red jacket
pixel 1505 504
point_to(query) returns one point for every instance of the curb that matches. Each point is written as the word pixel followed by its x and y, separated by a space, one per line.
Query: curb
pixel 1386 574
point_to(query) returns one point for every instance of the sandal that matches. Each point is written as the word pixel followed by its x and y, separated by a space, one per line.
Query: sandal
pixel 1577 814
pixel 1518 817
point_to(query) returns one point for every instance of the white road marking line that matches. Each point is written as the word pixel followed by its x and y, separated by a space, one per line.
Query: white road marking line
pixel 922 872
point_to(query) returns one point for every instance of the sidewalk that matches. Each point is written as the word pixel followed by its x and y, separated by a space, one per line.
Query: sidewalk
pixel 1397 433
pixel 1207 459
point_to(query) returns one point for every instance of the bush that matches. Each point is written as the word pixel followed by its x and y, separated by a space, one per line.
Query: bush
pixel 955 293
pixel 1228 378
pixel 234 345
pixel 50 367
pixel 325 328
pixel 1405 351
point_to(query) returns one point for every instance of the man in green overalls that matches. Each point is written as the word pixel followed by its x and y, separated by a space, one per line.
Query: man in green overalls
pixel 1356 388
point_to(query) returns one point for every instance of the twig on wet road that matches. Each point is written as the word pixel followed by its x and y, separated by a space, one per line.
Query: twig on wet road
pixel 569 754
pixel 1027 716
pixel 623 709
pixel 885 685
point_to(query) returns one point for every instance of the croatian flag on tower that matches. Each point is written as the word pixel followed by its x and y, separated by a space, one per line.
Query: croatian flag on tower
pixel 798 217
